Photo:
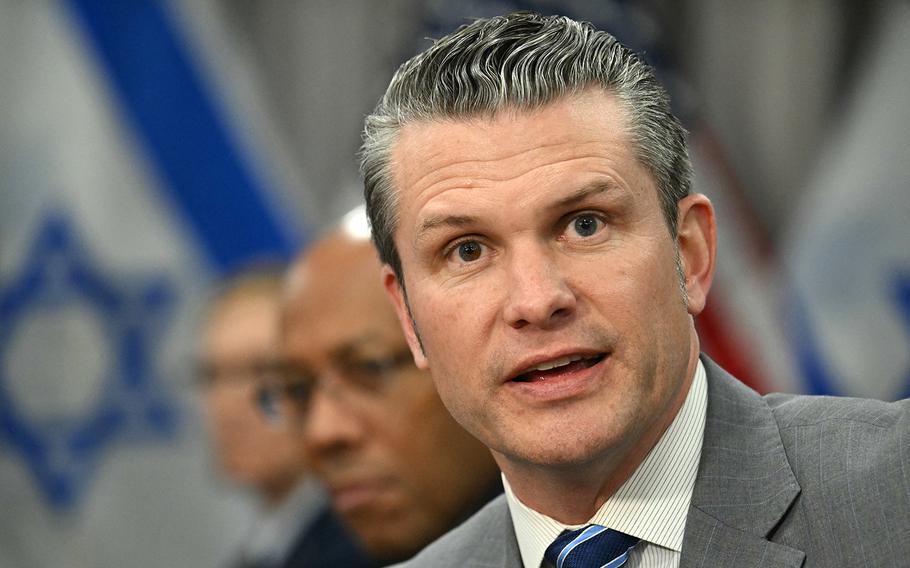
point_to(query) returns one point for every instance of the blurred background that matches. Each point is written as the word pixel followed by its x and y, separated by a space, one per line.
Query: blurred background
pixel 150 148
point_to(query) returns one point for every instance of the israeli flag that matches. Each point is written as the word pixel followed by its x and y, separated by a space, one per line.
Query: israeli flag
pixel 849 259
pixel 131 176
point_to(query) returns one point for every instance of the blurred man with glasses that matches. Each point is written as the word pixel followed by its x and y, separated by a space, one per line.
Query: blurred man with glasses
pixel 399 470
pixel 295 527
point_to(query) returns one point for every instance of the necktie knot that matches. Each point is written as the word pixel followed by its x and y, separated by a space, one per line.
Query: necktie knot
pixel 593 546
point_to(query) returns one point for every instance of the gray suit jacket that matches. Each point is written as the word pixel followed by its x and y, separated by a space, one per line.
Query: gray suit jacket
pixel 783 480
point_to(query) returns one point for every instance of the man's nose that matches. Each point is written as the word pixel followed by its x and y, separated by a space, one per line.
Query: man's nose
pixel 537 292
pixel 330 425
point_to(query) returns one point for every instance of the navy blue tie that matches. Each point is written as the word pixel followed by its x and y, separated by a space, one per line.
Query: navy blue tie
pixel 592 546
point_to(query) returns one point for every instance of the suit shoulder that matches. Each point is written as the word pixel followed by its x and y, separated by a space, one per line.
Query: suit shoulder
pixel 792 411
pixel 456 547
pixel 851 441
pixel 851 460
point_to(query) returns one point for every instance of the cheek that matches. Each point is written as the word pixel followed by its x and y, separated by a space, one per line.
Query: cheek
pixel 433 451
pixel 413 413
pixel 417 444
pixel 453 397
pixel 447 324
pixel 224 406
pixel 637 299
pixel 650 281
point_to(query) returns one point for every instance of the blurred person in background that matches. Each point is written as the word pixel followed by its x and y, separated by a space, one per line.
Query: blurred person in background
pixel 400 471
pixel 295 528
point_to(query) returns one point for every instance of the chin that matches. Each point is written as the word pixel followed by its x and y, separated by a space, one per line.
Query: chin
pixel 577 451
pixel 563 458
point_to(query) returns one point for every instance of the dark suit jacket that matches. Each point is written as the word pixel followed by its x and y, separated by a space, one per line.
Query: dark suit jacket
pixel 783 481
pixel 322 543
pixel 326 544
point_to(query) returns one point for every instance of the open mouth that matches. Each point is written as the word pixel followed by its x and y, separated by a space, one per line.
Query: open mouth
pixel 558 367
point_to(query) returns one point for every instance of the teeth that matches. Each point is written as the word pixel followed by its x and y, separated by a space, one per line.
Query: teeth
pixel 555 363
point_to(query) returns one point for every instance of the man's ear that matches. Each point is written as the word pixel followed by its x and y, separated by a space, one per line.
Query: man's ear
pixel 697 239
pixel 395 292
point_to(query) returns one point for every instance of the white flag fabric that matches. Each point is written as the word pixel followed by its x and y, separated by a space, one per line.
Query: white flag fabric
pixel 740 327
pixel 848 308
pixel 125 190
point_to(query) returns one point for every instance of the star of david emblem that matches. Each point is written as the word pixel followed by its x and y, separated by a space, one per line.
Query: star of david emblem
pixel 62 298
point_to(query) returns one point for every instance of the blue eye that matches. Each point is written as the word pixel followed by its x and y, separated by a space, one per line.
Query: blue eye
pixel 586 225
pixel 469 251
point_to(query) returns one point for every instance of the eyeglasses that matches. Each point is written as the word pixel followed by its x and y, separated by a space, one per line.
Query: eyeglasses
pixel 209 374
pixel 355 380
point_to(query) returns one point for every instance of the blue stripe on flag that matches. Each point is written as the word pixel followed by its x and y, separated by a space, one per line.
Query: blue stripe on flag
pixel 806 349
pixel 203 170
pixel 820 379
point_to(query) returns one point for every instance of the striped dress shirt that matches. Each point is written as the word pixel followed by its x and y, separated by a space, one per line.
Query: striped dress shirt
pixel 651 505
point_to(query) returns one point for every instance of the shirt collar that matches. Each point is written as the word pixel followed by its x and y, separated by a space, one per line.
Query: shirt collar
pixel 278 527
pixel 650 505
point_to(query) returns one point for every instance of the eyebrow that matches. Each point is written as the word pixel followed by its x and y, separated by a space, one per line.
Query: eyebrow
pixel 587 191
pixel 349 346
pixel 584 193
pixel 434 222
pixel 355 343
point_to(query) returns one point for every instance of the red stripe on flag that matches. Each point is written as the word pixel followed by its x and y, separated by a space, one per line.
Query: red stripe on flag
pixel 719 343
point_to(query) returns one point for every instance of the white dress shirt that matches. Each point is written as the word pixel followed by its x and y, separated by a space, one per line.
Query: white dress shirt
pixel 651 505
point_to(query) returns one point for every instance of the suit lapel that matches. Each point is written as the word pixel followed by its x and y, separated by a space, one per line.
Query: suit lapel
pixel 497 547
pixel 744 485
pixel 709 542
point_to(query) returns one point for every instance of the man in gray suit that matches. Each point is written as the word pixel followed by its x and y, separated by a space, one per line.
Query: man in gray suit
pixel 529 192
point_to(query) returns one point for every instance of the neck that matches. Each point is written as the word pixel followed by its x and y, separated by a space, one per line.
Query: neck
pixel 573 494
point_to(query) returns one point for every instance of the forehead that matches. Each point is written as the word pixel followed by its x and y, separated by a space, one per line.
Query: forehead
pixel 443 163
pixel 245 316
pixel 336 299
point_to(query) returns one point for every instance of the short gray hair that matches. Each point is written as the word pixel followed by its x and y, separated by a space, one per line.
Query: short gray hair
pixel 519 61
